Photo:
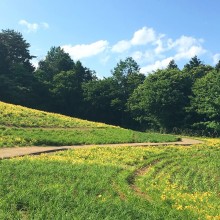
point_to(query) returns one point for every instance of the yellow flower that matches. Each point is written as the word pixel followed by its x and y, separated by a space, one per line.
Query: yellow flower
pixel 163 197
pixel 179 207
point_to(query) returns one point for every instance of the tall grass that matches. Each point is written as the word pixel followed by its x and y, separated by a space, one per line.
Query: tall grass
pixel 114 183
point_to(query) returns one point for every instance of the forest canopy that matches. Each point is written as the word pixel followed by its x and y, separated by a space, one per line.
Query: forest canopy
pixel 171 99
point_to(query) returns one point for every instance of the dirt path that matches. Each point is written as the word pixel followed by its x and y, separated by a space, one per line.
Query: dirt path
pixel 6 153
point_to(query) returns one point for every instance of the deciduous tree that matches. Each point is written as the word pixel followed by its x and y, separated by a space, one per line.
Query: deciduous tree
pixel 205 101
pixel 160 101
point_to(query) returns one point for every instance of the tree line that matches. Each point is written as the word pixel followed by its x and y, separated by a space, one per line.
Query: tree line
pixel 170 99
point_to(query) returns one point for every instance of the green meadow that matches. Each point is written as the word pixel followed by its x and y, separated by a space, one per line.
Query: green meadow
pixel 114 183
pixel 20 126
pixel 163 182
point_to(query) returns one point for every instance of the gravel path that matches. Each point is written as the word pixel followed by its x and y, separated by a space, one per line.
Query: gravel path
pixel 6 153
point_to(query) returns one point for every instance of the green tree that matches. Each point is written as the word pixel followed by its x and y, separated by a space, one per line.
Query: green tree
pixel 16 70
pixel 194 62
pixel 57 60
pixel 98 95
pixel 172 65
pixel 161 100
pixel 4 65
pixel 83 73
pixel 217 66
pixel 205 101
pixel 124 69
pixel 126 77
pixel 61 78
pixel 66 93
pixel 106 99
pixel 195 70
pixel 17 49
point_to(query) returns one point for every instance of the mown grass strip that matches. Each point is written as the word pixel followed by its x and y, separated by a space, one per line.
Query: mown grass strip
pixel 10 137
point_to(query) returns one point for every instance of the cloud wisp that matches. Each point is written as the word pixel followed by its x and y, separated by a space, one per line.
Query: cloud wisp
pixel 33 27
pixel 81 51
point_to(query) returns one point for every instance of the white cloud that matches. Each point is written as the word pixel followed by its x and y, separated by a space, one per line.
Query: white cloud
pixel 33 27
pixel 121 46
pixel 159 49
pixel 184 43
pixel 149 48
pixel 159 64
pixel 186 47
pixel 181 55
pixel 143 36
pixel 138 56
pixel 86 50
pixel 191 52
pixel 216 58
pixel 141 57
pixel 30 27
pixel 180 49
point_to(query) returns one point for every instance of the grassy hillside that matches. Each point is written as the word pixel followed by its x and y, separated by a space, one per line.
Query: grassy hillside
pixel 20 126
pixel 114 183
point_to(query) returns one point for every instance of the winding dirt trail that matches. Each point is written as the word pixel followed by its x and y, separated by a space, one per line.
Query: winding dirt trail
pixel 6 153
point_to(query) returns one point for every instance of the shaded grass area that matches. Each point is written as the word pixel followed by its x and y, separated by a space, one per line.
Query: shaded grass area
pixel 96 183
pixel 60 137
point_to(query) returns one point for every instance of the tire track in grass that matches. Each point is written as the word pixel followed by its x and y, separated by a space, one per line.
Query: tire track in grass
pixel 121 195
pixel 138 173
pixel 163 163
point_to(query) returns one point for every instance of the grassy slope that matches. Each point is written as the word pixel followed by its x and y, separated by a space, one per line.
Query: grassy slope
pixel 106 183
pixel 20 126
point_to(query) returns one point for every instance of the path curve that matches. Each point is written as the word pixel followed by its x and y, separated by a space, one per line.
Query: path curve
pixel 141 172
pixel 6 153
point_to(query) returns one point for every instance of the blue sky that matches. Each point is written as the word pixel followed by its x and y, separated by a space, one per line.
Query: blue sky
pixel 101 32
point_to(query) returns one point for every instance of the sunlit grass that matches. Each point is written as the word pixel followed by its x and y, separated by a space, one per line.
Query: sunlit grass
pixel 114 183
pixel 18 116
pixel 20 126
